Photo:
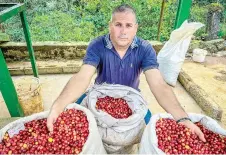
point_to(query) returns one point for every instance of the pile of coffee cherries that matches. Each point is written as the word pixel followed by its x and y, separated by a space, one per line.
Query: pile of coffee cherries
pixel 116 107
pixel 70 133
pixel 175 138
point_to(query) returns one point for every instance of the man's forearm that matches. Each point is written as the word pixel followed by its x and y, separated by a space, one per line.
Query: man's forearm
pixel 75 87
pixel 168 101
pixel 164 94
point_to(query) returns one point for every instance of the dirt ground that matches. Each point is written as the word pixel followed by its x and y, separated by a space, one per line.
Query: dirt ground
pixel 214 60
pixel 211 77
pixel 52 85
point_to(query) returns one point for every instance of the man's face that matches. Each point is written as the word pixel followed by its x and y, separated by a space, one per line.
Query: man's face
pixel 123 29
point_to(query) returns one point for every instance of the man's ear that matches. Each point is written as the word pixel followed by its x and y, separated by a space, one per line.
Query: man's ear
pixel 109 25
pixel 137 25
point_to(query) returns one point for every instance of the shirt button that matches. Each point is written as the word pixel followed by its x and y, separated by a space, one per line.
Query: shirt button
pixel 122 64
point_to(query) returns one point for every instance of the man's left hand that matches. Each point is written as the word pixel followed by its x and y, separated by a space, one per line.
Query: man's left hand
pixel 194 129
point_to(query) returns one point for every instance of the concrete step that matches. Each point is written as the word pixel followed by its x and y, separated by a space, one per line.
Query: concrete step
pixel 45 67
pixel 52 85
pixel 4 37
pixel 5 121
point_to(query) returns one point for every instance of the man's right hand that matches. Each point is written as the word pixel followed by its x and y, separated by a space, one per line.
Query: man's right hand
pixel 70 92
pixel 53 114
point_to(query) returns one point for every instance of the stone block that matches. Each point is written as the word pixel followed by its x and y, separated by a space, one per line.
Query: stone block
pixel 16 71
pixel 208 105
pixel 71 69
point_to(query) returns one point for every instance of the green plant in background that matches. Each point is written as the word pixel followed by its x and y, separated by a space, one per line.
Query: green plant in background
pixel 83 20
pixel 222 32
pixel 169 19
pixel 61 27
pixel 86 19
pixel 3 37
pixel 199 14
pixel 215 7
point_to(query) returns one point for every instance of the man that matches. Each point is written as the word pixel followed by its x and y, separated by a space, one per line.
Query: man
pixel 119 58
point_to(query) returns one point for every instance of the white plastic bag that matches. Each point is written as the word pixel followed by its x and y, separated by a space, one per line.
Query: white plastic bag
pixel 172 55
pixel 93 144
pixel 149 141
pixel 118 132
pixel 199 55
pixel 113 149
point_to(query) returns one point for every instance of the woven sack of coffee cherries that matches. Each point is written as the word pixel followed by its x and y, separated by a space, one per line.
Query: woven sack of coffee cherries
pixel 75 132
pixel 164 136
pixel 119 111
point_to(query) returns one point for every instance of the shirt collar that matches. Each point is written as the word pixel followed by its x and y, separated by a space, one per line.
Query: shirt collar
pixel 109 44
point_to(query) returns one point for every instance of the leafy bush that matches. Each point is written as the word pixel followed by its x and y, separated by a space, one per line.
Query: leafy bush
pixel 83 20
pixel 222 32
pixel 199 14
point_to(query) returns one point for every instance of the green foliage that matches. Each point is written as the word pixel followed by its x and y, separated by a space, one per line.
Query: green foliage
pixel 199 14
pixel 222 32
pixel 83 20
pixel 13 28
pixel 61 27
pixel 215 7
pixel 3 37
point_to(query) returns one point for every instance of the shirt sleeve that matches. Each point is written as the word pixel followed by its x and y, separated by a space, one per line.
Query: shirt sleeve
pixel 149 59
pixel 92 56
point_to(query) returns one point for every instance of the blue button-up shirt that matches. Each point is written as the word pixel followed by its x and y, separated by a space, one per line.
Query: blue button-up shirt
pixel 114 70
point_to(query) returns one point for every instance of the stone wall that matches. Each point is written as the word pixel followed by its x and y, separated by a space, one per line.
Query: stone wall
pixel 44 50
pixel 14 51
pixel 214 47
pixel 3 37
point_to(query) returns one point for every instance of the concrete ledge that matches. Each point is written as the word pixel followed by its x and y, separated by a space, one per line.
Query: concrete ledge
pixel 71 69
pixel 17 71
pixel 43 45
pixel 45 67
pixel 210 107
pixel 5 121
pixel 51 50
pixel 53 44
pixel 4 37
pixel 51 70
pixel 44 70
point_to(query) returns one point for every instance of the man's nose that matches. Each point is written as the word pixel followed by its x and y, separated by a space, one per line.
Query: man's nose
pixel 123 29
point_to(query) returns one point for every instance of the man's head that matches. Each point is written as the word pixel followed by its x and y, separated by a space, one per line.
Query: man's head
pixel 123 26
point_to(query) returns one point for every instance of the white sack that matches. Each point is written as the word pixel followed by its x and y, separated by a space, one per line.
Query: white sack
pixel 172 55
pixel 149 141
pixel 118 132
pixel 93 144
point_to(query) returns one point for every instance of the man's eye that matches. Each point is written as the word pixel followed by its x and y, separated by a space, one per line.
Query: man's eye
pixel 128 26
pixel 118 25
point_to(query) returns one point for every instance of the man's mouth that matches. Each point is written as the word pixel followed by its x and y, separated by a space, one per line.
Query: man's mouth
pixel 123 38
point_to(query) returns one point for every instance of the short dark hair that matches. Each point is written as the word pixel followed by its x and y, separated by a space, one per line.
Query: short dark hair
pixel 123 8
